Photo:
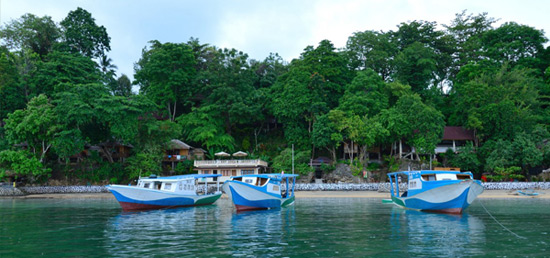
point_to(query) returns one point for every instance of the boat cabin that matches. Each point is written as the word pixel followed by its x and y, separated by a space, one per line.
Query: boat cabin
pixel 419 181
pixel 187 184
pixel 439 177
pixel 273 183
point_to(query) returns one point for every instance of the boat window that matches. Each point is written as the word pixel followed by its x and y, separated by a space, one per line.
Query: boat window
pixel 167 186
pixel 146 185
pixel 428 177
pixel 463 176
pixel 261 181
pixel 440 177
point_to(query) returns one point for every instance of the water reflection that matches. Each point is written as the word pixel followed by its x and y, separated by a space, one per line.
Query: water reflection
pixel 161 231
pixel 440 235
pixel 262 233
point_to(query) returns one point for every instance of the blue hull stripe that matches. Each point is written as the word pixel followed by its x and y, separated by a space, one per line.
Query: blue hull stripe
pixel 265 203
pixel 173 201
pixel 458 202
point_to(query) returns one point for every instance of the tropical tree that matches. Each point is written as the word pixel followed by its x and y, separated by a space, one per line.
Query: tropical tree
pixel 165 74
pixel 60 68
pixel 203 127
pixel 372 50
pixel 421 125
pixel 515 44
pixel 312 87
pixel 283 162
pixel 39 34
pixel 467 31
pixel 108 69
pixel 35 126
pixel 18 164
pixel 495 104
pixel 92 115
pixel 122 86
pixel 365 95
pixel 82 35
pixel 424 57
pixel 12 96
pixel 466 159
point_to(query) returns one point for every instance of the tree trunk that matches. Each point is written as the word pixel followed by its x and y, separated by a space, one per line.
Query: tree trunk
pixel 256 133
pixel 351 153
pixel 332 152
pixel 107 154
pixel 227 124
pixel 363 154
pixel 400 149
pixel 44 150
pixel 174 113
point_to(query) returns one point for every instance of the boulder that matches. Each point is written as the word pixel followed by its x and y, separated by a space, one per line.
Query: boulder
pixel 341 174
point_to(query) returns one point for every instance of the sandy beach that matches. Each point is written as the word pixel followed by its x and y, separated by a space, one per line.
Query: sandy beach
pixel 544 194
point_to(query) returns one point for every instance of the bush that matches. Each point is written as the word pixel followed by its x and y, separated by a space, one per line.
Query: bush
pixel 506 174
pixel 22 164
pixel 185 167
pixel 143 164
pixel 373 166
pixel 283 162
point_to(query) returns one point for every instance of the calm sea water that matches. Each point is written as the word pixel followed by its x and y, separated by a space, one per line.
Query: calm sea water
pixel 323 227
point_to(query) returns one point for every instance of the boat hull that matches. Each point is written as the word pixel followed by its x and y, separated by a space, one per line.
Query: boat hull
pixel 247 197
pixel 133 198
pixel 450 198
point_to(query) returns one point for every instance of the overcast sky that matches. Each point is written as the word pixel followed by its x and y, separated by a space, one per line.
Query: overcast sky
pixel 260 27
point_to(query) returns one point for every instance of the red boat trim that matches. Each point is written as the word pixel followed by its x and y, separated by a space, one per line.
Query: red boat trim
pixel 128 206
pixel 448 211
pixel 248 208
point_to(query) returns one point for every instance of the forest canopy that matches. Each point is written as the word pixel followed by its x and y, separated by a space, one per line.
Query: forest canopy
pixel 60 93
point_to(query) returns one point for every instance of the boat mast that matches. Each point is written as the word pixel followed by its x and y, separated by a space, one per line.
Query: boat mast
pixel 292 158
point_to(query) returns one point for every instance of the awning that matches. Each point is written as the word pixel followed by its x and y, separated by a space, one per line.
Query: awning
pixel 240 154
pixel 222 154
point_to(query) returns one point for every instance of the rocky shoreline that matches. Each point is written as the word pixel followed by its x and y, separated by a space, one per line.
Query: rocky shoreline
pixel 379 187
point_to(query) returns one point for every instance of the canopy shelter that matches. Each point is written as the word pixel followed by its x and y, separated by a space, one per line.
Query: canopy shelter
pixel 240 154
pixel 222 154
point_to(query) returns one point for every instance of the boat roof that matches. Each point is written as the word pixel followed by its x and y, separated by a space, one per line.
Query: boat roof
pixel 180 177
pixel 423 172
pixel 272 175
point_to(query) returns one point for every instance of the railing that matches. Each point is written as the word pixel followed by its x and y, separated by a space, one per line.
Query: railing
pixel 443 149
pixel 174 157
pixel 229 162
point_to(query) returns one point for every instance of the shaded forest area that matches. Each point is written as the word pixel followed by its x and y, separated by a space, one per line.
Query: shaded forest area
pixel 60 93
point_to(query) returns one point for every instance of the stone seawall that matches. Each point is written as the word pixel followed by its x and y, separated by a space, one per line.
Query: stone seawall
pixel 10 191
pixel 381 187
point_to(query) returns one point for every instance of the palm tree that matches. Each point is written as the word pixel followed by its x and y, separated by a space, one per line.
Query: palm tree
pixel 106 65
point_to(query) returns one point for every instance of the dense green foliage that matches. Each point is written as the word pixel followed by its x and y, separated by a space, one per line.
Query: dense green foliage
pixel 60 94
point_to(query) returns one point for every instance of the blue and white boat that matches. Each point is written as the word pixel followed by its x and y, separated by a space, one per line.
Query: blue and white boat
pixel 261 191
pixel 166 192
pixel 434 190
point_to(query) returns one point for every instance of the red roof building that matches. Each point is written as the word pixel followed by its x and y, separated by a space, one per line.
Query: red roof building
pixel 454 137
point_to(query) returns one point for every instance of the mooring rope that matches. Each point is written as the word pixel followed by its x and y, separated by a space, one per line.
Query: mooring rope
pixel 498 222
